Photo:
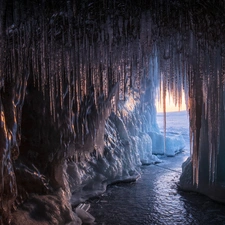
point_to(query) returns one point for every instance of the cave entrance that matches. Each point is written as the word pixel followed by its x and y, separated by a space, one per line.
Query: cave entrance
pixel 174 123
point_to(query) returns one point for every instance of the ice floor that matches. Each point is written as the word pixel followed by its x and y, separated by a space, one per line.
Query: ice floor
pixel 155 200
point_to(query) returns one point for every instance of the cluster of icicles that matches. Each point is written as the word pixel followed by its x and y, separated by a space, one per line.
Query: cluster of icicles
pixel 71 56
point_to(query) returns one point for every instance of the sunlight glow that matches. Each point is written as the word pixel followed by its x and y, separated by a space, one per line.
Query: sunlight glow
pixel 170 104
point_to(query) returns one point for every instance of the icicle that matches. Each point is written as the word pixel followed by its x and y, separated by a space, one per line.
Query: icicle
pixel 164 112
pixel 60 77
pixel 43 60
pixel 68 73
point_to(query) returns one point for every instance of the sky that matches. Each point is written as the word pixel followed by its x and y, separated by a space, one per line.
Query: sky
pixel 170 105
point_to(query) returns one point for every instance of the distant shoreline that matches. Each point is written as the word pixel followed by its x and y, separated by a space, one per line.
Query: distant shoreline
pixel 172 112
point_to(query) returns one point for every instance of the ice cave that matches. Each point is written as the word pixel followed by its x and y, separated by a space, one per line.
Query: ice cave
pixel 78 83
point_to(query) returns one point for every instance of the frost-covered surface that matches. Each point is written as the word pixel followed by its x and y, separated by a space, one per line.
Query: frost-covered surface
pixel 94 172
pixel 126 147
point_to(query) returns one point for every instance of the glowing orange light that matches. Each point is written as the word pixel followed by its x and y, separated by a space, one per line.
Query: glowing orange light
pixel 170 104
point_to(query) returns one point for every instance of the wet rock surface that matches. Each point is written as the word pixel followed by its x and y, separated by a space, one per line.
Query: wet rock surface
pixel 155 199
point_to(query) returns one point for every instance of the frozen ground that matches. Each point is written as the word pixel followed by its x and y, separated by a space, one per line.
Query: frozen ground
pixel 155 200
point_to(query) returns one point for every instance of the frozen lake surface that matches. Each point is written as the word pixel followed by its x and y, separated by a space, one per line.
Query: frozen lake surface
pixel 176 122
pixel 154 199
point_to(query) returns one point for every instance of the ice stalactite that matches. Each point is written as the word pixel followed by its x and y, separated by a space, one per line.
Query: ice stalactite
pixel 77 63
pixel 190 50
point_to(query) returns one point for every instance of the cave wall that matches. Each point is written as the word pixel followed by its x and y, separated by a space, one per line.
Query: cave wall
pixel 82 169
pixel 64 71
pixel 126 147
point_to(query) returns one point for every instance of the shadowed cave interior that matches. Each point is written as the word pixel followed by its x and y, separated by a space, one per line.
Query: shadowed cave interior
pixel 78 83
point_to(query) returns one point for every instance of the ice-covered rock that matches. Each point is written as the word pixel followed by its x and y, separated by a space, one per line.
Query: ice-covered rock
pixel 85 216
pixel 157 142
pixel 76 221
pixel 45 210
pixel 174 143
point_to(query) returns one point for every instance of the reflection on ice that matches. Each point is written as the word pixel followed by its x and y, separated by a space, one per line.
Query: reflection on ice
pixel 155 199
